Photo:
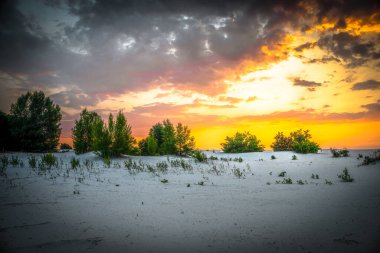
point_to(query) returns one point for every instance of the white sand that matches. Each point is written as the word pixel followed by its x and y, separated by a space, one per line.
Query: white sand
pixel 41 213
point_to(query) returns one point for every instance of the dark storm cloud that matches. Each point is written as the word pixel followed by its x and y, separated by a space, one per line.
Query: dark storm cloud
pixel 366 85
pixel 117 46
pixel 310 85
pixel 354 50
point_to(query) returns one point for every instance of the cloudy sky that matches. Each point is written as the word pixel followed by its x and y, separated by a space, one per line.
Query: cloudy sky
pixel 217 66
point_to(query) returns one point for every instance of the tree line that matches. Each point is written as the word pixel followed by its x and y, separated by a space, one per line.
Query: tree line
pixel 33 125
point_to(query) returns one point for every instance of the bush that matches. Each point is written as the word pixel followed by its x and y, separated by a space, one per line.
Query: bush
pixel 272 157
pixel 32 161
pixel 48 161
pixel 242 142
pixel 345 176
pixel 298 141
pixel 294 157
pixel 282 174
pixel 238 159
pixel 35 122
pixel 282 142
pixel 238 173
pixel 75 163
pixel 200 156
pixel 65 146
pixel 339 153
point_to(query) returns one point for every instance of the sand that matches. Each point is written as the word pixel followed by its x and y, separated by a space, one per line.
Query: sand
pixel 100 209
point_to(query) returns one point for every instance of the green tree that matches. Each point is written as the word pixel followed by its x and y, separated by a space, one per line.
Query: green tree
pixel 282 142
pixel 302 142
pixel 152 146
pixel 121 132
pixel 82 131
pixel 101 138
pixel 184 141
pixel 168 145
pixel 242 142
pixel 35 122
pixel 157 132
pixel 6 142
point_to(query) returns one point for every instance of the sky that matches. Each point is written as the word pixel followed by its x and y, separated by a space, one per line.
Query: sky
pixel 216 66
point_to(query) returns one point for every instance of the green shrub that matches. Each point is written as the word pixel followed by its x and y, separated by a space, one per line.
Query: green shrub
pixel 328 182
pixel 345 176
pixel 14 161
pixel 287 181
pixel 272 157
pixel 298 141
pixel 294 157
pixel 242 142
pixel 282 142
pixel 213 158
pixel 162 166
pixel 238 173
pixel 372 158
pixel 65 146
pixel 32 161
pixel 282 174
pixel 75 163
pixel 48 161
pixel 300 182
pixel 339 153
pixel 200 156
pixel 238 159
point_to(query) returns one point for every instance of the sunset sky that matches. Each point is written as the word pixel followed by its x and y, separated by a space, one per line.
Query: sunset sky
pixel 217 66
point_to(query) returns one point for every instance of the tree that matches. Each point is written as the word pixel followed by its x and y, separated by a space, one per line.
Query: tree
pixel 35 122
pixel 184 142
pixel 152 146
pixel 101 139
pixel 121 132
pixel 302 142
pixel 168 145
pixel 282 142
pixel 298 141
pixel 82 132
pixel 157 132
pixel 242 142
pixel 6 142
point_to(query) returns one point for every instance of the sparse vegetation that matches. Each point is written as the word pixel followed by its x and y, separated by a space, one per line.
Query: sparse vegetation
pixel 294 157
pixel 375 157
pixel 339 153
pixel 32 161
pixel 345 176
pixel 238 159
pixel 300 182
pixel 238 173
pixel 75 163
pixel 316 176
pixel 213 158
pixel 162 166
pixel 282 174
pixel 328 182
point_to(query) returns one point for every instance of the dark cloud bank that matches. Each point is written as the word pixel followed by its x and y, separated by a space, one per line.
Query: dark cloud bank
pixel 118 46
